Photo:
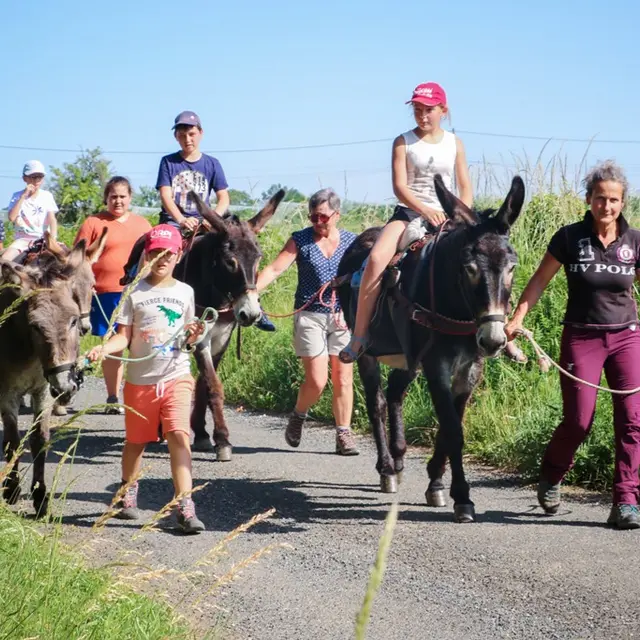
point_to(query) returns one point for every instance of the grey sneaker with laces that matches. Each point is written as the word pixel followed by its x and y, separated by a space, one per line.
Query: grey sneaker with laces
pixel 187 518
pixel 293 432
pixel 624 516
pixel 549 496
pixel 346 443
pixel 128 504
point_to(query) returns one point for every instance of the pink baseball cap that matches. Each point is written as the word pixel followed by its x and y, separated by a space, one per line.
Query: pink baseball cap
pixel 430 94
pixel 163 236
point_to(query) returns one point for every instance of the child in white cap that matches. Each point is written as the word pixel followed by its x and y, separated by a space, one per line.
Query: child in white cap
pixel 31 210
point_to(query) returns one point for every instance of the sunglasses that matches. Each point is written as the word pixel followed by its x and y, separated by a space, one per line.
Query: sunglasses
pixel 322 218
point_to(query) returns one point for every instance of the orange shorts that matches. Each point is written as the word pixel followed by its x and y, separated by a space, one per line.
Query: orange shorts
pixel 167 403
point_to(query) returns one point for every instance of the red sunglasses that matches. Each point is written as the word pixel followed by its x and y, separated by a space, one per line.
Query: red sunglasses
pixel 321 217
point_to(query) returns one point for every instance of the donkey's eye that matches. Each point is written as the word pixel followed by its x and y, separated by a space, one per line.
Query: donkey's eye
pixel 472 269
pixel 233 264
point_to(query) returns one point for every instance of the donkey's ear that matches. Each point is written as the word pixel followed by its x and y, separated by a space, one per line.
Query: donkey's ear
pixel 14 275
pixel 512 205
pixel 53 246
pixel 452 206
pixel 77 255
pixel 264 215
pixel 216 222
pixel 95 250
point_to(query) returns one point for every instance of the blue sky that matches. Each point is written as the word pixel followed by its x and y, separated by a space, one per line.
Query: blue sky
pixel 277 74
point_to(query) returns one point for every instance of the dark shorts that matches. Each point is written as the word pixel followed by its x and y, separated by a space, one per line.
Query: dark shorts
pixel 403 213
pixel 165 218
pixel 100 317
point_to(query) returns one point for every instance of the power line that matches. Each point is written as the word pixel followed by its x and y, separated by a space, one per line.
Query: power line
pixel 327 145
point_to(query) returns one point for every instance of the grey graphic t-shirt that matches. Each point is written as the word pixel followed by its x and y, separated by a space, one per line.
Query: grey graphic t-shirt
pixel 157 313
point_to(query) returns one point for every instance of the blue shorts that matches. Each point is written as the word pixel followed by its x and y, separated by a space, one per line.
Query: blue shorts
pixel 109 302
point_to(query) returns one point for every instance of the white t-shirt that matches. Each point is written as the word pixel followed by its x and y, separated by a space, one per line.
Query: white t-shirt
pixel 155 314
pixel 30 221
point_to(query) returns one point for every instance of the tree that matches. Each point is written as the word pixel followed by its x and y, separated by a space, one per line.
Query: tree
pixel 238 197
pixel 147 197
pixel 291 195
pixel 78 186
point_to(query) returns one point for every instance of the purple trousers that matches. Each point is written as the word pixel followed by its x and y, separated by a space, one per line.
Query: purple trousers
pixel 585 353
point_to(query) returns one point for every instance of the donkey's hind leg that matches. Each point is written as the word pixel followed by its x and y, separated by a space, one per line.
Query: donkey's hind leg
pixel 377 411
pixel 399 380
pixel 10 446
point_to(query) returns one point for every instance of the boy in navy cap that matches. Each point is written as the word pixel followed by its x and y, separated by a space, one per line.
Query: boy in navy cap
pixel 189 170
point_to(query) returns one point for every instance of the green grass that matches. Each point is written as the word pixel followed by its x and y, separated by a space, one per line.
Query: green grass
pixel 46 592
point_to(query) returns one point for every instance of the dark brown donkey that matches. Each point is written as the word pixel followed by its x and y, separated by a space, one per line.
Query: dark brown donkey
pixel 446 315
pixel 221 265
pixel 39 349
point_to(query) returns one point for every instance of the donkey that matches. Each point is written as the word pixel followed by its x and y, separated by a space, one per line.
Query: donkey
pixel 221 265
pixel 73 264
pixel 448 312
pixel 39 349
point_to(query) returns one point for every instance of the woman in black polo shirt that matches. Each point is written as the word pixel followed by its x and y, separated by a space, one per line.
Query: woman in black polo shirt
pixel 601 256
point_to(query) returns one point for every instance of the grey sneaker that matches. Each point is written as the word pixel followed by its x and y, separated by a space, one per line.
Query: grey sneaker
pixel 624 516
pixel 187 518
pixel 345 443
pixel 549 496
pixel 293 432
pixel 128 504
pixel 115 410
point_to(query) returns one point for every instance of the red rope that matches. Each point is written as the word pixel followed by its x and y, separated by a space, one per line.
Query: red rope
pixel 319 294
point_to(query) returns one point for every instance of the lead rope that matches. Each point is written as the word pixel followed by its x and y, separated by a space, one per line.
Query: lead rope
pixel 540 352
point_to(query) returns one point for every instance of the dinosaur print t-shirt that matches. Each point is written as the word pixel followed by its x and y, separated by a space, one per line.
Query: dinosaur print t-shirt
pixel 156 314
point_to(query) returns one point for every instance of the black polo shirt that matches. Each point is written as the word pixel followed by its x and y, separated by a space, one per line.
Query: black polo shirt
pixel 599 280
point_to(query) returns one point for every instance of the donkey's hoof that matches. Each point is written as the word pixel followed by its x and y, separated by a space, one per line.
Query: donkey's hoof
pixel 223 453
pixel 202 444
pixel 463 513
pixel 11 492
pixel 41 504
pixel 59 410
pixel 399 476
pixel 41 507
pixel 435 498
pixel 389 484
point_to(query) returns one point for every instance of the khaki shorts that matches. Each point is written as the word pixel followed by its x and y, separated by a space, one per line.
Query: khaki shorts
pixel 319 334
pixel 21 244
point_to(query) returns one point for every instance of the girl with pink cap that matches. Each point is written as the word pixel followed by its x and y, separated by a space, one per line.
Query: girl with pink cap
pixel 417 156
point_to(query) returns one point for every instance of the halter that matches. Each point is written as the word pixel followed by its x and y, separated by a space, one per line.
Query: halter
pixel 77 373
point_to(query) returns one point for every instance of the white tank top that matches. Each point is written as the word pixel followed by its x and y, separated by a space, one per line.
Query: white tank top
pixel 424 160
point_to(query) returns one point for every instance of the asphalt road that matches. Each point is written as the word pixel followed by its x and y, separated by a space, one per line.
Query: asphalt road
pixel 515 573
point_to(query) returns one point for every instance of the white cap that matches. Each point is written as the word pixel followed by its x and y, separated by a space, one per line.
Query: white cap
pixel 33 166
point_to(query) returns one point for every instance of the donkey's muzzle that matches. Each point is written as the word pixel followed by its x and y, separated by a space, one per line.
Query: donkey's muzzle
pixel 64 381
pixel 491 337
